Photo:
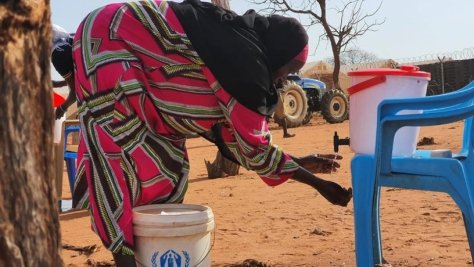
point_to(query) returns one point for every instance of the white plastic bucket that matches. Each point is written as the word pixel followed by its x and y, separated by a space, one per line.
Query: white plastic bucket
pixel 58 124
pixel 177 235
pixel 368 88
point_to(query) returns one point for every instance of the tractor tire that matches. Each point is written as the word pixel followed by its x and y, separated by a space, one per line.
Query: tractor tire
pixel 334 106
pixel 296 105
pixel 308 117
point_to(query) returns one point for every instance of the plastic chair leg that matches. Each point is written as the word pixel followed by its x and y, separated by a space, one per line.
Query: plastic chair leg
pixel 376 238
pixel 71 172
pixel 468 218
pixel 365 199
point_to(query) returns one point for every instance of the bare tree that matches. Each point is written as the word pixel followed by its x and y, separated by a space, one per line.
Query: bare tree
pixel 221 166
pixel 350 19
pixel 355 56
pixel 29 221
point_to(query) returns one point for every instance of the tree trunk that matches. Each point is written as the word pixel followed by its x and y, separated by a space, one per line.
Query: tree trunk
pixel 29 221
pixel 221 166
pixel 337 68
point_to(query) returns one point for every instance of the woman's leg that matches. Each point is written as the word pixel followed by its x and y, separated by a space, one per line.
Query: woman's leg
pixel 113 176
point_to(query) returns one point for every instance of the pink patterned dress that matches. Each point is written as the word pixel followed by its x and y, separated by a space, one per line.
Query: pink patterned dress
pixel 141 89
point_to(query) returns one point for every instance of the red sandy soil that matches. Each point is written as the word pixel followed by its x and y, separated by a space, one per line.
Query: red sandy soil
pixel 291 224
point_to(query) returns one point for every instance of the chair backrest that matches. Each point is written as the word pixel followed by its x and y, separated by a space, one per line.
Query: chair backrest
pixel 461 96
pixel 467 150
pixel 468 136
pixel 70 126
pixel 436 110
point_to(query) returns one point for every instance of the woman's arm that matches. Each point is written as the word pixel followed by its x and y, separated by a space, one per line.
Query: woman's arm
pixel 71 98
pixel 297 168
pixel 57 84
pixel 249 139
pixel 319 163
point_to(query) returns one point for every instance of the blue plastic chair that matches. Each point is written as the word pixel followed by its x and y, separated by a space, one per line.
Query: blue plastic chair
pixel 453 175
pixel 70 156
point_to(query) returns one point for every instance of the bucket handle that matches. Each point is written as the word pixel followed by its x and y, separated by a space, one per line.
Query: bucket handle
pixel 210 247
pixel 366 84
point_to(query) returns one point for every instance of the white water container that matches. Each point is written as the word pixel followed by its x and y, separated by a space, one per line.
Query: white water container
pixel 368 88
pixel 176 235
pixel 58 124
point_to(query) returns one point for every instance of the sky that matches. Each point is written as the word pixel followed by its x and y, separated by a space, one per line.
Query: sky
pixel 412 28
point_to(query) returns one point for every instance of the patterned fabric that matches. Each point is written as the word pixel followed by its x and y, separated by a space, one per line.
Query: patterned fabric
pixel 141 89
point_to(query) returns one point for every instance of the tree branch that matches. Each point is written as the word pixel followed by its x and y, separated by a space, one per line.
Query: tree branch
pixel 352 21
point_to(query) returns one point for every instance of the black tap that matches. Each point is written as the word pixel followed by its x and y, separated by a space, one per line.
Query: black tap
pixel 339 142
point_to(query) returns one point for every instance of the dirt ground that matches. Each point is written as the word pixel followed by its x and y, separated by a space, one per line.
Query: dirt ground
pixel 291 225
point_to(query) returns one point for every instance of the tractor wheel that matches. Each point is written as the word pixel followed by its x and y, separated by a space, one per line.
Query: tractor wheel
pixel 296 104
pixel 308 117
pixel 334 106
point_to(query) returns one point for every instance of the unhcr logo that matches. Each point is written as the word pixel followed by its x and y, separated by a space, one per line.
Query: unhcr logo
pixel 170 258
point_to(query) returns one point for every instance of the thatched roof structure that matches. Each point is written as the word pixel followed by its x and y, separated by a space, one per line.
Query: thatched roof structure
pixel 316 67
pixel 322 71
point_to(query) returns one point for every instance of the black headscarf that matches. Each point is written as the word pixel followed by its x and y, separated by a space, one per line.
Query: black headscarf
pixel 284 40
pixel 242 51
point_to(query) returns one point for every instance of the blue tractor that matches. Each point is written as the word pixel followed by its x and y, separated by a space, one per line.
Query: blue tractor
pixel 304 96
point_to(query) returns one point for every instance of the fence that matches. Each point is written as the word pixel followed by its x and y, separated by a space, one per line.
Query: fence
pixel 449 71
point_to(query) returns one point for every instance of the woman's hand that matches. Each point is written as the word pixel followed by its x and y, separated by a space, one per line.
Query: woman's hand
pixel 319 163
pixel 331 191
pixel 335 193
